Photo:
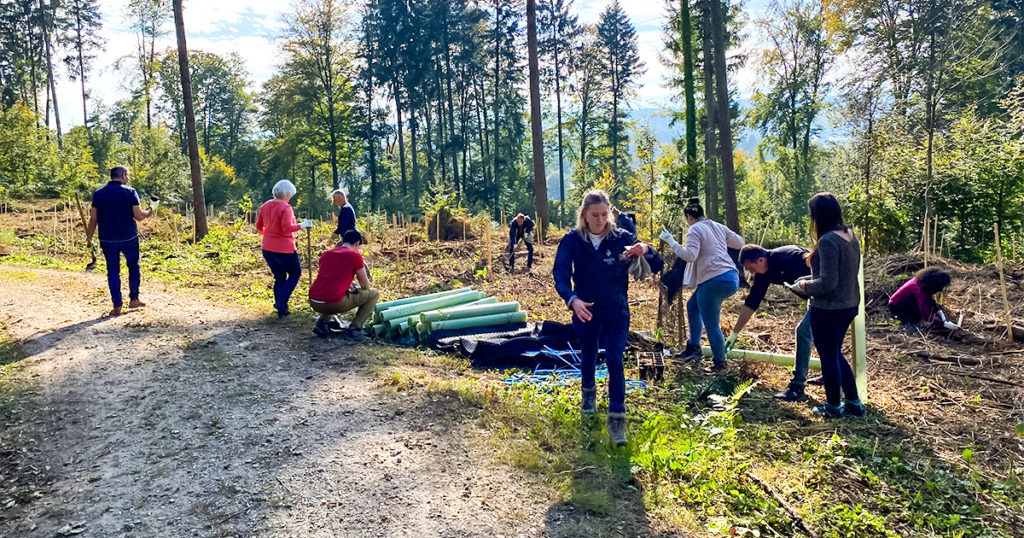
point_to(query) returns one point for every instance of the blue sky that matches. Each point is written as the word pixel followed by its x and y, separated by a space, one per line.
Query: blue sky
pixel 249 27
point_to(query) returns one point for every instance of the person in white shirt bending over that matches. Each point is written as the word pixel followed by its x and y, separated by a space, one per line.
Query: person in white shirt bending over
pixel 712 272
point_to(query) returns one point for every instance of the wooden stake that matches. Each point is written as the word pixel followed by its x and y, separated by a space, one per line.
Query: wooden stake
pixel 924 240
pixel 1002 284
pixel 438 237
pixel 935 239
pixel 487 240
pixel 309 255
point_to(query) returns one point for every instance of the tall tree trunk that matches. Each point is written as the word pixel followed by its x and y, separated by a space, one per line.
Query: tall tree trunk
pixel 724 127
pixel 540 183
pixel 401 136
pixel 558 113
pixel 79 45
pixel 49 68
pixel 198 196
pixel 691 106
pixel 496 187
pixel 371 141
pixel 710 158
pixel 451 117
pixel 414 152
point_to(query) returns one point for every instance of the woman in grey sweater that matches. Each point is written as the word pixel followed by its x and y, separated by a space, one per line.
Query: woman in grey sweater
pixel 835 297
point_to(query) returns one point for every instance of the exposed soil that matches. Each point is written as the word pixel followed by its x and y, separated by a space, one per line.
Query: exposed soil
pixel 189 418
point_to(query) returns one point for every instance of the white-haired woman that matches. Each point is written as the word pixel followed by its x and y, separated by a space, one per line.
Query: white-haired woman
pixel 276 222
pixel 592 277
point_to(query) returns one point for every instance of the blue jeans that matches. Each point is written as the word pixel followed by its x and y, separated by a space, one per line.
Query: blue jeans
pixel 112 251
pixel 804 341
pixel 829 328
pixel 608 330
pixel 286 269
pixel 705 309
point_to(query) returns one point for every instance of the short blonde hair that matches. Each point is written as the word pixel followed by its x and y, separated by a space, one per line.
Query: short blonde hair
pixel 593 197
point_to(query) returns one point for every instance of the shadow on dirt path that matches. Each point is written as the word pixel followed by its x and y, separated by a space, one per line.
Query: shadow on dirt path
pixel 192 419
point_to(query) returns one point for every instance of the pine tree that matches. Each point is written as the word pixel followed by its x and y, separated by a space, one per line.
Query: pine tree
pixel 623 65
pixel 83 36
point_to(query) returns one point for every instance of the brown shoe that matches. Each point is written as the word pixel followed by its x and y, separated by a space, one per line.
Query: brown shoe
pixel 115 312
pixel 135 303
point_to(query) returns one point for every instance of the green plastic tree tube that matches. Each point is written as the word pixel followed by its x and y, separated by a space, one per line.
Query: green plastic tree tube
pixel 380 329
pixel 761 356
pixel 478 321
pixel 380 307
pixel 429 318
pixel 415 318
pixel 407 310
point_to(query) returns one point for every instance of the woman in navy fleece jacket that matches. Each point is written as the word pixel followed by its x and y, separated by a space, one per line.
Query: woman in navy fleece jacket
pixel 592 277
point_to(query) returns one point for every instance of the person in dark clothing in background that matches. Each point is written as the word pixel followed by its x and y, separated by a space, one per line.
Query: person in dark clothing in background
pixel 115 208
pixel 835 297
pixel 592 276
pixel 624 221
pixel 347 213
pixel 781 265
pixel 521 227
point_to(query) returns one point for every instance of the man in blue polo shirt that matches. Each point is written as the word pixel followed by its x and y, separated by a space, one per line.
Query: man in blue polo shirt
pixel 115 208
pixel 783 265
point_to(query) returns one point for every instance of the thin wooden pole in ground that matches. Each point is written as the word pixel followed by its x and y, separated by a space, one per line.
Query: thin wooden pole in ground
pixel 661 293
pixel 924 240
pixel 487 240
pixel 438 232
pixel 1002 284
pixel 309 254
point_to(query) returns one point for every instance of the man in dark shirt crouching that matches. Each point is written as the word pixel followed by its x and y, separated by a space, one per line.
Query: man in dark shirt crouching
pixel 783 265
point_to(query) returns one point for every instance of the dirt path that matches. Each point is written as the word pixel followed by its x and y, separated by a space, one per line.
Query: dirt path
pixel 192 419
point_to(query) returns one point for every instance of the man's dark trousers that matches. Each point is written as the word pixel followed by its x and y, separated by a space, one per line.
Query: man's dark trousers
pixel 112 251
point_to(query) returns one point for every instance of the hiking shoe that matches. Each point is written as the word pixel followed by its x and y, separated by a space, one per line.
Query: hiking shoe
pixel 828 411
pixel 135 303
pixel 282 315
pixel 792 394
pixel 692 353
pixel 817 381
pixel 854 409
pixel 617 428
pixel 114 312
pixel 589 406
pixel 321 328
pixel 718 367
pixel 356 334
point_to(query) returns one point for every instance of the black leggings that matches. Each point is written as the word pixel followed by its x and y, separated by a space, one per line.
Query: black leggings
pixel 829 329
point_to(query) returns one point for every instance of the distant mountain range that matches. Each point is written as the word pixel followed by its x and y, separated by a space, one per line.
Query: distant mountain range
pixel 660 122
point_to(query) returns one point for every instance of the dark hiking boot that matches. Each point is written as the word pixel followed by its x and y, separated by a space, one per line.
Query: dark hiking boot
pixel 321 329
pixel 356 334
pixel 692 353
pixel 718 367
pixel 617 428
pixel 854 409
pixel 792 394
pixel 589 402
pixel 828 411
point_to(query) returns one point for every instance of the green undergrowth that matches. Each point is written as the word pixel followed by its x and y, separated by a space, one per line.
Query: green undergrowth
pixel 709 456
pixel 226 264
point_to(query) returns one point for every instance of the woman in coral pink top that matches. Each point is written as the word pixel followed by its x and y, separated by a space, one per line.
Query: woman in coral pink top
pixel 276 222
